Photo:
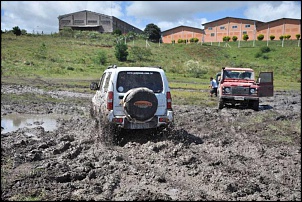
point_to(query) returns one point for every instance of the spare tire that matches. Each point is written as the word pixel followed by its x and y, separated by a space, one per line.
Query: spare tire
pixel 140 104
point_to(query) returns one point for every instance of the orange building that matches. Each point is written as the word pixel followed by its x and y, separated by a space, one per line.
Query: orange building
pixel 182 32
pixel 280 27
pixel 216 30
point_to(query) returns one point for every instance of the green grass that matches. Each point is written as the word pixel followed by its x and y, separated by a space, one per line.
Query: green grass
pixel 72 63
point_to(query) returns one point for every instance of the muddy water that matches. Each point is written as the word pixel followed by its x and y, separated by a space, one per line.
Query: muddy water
pixel 13 122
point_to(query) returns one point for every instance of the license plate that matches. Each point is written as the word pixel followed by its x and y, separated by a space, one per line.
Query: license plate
pixel 239 98
pixel 139 125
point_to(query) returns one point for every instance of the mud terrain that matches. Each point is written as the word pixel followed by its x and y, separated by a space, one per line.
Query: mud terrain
pixel 211 154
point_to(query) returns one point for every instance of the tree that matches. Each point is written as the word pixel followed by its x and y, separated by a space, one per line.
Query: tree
pixel 23 32
pixel 153 32
pixel 17 31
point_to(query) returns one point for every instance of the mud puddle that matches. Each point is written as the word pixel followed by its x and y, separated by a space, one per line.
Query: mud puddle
pixel 12 122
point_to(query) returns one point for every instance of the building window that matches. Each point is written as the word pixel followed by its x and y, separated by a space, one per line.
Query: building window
pixel 92 22
pixel 222 27
pixel 244 32
pixel 76 22
pixel 234 27
pixel 212 34
pixel 65 22
pixel 105 22
pixel 247 26
pixel 210 28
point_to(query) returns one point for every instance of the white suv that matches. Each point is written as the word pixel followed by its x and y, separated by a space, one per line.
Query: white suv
pixel 132 98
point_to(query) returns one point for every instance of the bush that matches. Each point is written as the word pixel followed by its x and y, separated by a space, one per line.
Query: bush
pixel 245 37
pixel 258 55
pixel 226 38
pixel 234 38
pixel 194 40
pixel 272 37
pixel 281 37
pixel 180 41
pixel 121 52
pixel 260 37
pixel 265 49
pixel 117 32
pixel 298 36
pixel 101 57
pixel 193 68
pixel 42 51
pixel 140 53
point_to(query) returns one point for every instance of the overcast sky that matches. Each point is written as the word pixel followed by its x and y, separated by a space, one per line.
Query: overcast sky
pixel 38 16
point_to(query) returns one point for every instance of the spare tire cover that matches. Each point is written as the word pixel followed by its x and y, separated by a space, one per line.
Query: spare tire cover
pixel 140 104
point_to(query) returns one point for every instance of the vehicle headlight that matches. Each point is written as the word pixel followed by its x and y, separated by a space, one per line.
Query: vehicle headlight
pixel 227 90
pixel 252 90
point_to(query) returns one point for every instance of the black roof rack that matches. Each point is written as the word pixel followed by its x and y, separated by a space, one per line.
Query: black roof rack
pixel 159 67
pixel 112 66
pixel 115 66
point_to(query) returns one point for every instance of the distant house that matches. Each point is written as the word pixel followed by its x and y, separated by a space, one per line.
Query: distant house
pixel 283 26
pixel 182 32
pixel 229 26
pixel 91 21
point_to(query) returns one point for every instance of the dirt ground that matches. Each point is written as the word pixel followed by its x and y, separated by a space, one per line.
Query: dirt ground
pixel 229 154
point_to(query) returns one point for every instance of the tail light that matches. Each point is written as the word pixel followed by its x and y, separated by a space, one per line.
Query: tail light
pixel 169 100
pixel 110 100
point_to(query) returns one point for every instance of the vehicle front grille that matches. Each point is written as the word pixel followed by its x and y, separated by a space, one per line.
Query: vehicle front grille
pixel 240 91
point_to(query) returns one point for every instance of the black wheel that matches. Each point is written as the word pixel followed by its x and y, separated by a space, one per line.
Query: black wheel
pixel 220 104
pixel 140 104
pixel 256 105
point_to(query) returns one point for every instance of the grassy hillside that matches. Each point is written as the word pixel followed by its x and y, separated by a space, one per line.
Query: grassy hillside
pixel 75 61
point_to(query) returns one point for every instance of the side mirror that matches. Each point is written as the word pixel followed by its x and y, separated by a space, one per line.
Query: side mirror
pixel 94 86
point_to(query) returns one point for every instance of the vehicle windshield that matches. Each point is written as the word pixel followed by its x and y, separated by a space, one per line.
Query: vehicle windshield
pixel 236 74
pixel 127 80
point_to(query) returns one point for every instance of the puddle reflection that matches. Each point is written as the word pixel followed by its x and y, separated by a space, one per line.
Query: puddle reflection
pixel 13 122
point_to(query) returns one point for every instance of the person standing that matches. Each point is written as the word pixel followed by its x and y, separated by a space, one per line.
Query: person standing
pixel 213 86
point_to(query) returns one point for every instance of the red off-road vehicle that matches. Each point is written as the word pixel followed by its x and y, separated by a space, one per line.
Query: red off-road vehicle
pixel 238 86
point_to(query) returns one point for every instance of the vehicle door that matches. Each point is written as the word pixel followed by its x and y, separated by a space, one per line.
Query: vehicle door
pixel 100 95
pixel 266 85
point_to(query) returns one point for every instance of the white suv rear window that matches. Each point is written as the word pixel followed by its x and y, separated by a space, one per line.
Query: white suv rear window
pixel 127 80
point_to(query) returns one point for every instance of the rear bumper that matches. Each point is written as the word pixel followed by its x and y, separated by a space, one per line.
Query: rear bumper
pixel 155 122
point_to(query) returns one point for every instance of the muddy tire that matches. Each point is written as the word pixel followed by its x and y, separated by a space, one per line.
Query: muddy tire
pixel 255 105
pixel 140 104
pixel 91 111
pixel 220 104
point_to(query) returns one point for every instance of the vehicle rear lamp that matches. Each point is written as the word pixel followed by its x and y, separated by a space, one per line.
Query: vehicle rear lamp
pixel 165 120
pixel 117 120
pixel 110 100
pixel 169 100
